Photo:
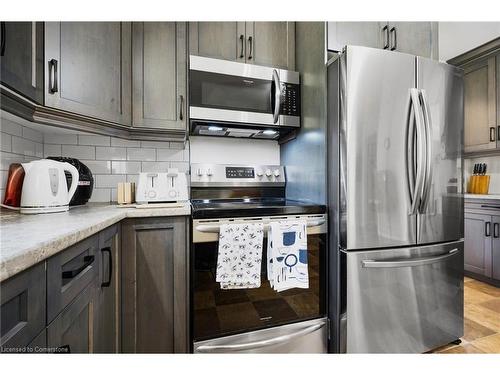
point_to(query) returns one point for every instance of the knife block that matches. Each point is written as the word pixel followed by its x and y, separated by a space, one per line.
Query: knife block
pixel 479 184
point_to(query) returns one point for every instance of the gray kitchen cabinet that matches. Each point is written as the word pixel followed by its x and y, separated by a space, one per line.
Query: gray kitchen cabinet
pixel 22 309
pixel 261 43
pixel 159 69
pixel 416 38
pixel 72 331
pixel 88 69
pixel 21 58
pixel 39 343
pixel 155 285
pixel 478 241
pixel 495 249
pixel 107 310
pixel 480 106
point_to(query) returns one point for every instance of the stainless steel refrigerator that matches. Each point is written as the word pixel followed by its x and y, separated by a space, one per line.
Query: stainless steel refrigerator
pixel 395 140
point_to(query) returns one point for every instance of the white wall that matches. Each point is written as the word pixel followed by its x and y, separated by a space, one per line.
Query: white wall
pixel 233 151
pixel 456 38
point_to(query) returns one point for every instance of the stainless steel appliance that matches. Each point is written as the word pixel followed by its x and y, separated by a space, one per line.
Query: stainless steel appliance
pixel 258 320
pixel 395 124
pixel 242 100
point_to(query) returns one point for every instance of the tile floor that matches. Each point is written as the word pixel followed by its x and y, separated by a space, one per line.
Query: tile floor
pixel 482 320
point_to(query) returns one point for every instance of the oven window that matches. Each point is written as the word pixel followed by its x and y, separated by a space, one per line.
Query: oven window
pixel 211 90
pixel 218 312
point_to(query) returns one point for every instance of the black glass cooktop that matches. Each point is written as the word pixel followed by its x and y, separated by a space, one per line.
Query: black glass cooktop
pixel 240 207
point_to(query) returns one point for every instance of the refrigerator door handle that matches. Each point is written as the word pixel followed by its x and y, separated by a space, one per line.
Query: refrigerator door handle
pixel 422 261
pixel 428 152
pixel 410 151
pixel 421 157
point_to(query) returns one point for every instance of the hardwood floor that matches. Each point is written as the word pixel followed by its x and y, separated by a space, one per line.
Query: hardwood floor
pixel 481 320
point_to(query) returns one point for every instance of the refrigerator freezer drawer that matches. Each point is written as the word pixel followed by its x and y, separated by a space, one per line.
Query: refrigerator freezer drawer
pixel 304 337
pixel 405 300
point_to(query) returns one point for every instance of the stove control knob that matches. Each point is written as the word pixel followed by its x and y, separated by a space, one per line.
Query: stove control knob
pixel 260 173
pixel 209 172
pixel 199 172
pixel 276 173
pixel 268 173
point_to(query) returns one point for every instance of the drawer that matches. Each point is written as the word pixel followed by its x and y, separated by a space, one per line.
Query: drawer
pixel 22 310
pixel 69 272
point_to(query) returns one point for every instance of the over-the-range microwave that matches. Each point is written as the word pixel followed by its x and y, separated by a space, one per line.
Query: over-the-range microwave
pixel 234 99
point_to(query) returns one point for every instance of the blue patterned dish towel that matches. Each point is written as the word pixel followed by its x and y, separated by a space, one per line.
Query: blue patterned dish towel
pixel 240 255
pixel 287 255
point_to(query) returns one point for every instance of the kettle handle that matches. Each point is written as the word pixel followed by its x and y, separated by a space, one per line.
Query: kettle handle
pixel 75 178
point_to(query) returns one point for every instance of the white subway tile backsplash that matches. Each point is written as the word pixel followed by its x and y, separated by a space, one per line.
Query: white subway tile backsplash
pixel 125 167
pixel 32 134
pixel 133 178
pixel 181 166
pixel 100 195
pixel 141 154
pixel 79 152
pixel 98 166
pixel 23 146
pixel 52 150
pixel 61 139
pixel 110 153
pixel 9 127
pixel 6 159
pixel 39 150
pixel 170 155
pixel 6 142
pixel 155 144
pixel 179 145
pixel 118 142
pixel 155 166
pixel 94 140
pixel 109 180
pixel 114 194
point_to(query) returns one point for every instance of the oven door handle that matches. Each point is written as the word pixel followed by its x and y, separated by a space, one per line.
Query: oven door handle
pixel 259 344
pixel 207 228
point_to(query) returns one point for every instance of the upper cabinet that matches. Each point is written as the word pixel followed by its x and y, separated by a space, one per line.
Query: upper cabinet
pixel 416 38
pixel 159 68
pixel 88 69
pixel 261 43
pixel 21 58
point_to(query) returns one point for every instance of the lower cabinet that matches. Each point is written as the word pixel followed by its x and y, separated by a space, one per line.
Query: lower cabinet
pixel 155 285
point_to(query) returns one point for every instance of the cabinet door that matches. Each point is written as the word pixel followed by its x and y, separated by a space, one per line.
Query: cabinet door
pixel 154 286
pixel 21 58
pixel 367 34
pixel 415 38
pixel 22 309
pixel 477 247
pixel 220 40
pixel 495 249
pixel 480 106
pixel 72 331
pixel 107 312
pixel 159 74
pixel 88 69
pixel 271 44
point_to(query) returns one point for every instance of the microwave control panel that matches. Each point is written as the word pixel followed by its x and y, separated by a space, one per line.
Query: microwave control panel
pixel 290 99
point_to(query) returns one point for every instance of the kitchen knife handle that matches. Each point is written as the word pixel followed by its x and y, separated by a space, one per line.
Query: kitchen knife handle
pixel 181 111
pixel 385 31
pixel 250 43
pixel 487 229
pixel 492 134
pixel 106 284
pixel 242 40
pixel 496 228
pixel 395 39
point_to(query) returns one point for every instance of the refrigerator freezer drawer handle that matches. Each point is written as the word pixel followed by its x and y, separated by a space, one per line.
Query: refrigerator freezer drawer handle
pixel 407 263
pixel 259 344
pixel 216 228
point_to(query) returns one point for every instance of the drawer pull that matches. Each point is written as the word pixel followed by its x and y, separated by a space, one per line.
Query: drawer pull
pixel 490 206
pixel 87 261
pixel 106 284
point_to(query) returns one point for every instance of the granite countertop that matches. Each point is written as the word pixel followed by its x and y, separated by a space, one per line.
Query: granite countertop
pixel 482 196
pixel 26 240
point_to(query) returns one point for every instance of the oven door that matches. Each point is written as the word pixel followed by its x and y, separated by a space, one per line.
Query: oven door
pixel 231 92
pixel 219 313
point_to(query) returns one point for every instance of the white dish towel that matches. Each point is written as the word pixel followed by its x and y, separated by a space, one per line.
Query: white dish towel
pixel 287 255
pixel 240 255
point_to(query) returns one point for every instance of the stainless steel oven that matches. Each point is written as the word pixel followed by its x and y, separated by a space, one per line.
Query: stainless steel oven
pixel 228 97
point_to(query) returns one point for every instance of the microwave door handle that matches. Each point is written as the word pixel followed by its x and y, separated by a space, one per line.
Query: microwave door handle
pixel 277 96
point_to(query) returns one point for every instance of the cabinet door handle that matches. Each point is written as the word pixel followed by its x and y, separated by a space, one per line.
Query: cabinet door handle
pixel 87 261
pixel 250 43
pixel 487 229
pixel 242 40
pixel 181 111
pixel 394 39
pixel 498 133
pixel 106 284
pixel 496 227
pixel 492 134
pixel 4 38
pixel 385 31
pixel 53 76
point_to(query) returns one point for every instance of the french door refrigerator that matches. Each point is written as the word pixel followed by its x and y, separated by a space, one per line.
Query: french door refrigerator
pixel 395 139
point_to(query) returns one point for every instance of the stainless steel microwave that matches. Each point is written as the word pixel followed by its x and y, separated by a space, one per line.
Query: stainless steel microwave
pixel 229 98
